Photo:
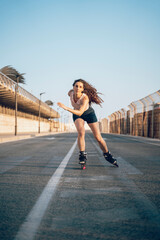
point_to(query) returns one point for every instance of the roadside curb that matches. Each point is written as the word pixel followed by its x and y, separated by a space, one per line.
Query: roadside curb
pixel 23 137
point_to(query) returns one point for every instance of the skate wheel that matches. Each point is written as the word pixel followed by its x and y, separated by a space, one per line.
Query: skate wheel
pixel 83 166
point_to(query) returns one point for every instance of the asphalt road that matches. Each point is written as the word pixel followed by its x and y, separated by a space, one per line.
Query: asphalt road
pixel 44 195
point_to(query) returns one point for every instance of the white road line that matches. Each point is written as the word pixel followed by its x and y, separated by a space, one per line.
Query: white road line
pixel 128 168
pixel 150 210
pixel 47 138
pixel 29 228
pixel 125 166
pixel 51 138
pixel 136 139
pixel 150 143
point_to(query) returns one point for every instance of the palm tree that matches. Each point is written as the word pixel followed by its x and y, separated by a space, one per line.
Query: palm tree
pixel 18 78
pixel 13 74
pixel 49 103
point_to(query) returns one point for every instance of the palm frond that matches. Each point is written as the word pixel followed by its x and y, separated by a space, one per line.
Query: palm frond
pixel 13 74
pixel 49 102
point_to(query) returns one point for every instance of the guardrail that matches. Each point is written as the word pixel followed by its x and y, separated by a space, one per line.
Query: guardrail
pixel 142 118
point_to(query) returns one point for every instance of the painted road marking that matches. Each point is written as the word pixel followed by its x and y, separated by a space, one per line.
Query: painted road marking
pixel 46 138
pixel 51 138
pixel 127 167
pixel 29 228
pixel 139 140
pixel 150 143
pixel 149 208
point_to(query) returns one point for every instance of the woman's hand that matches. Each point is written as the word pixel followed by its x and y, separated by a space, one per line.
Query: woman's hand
pixel 61 105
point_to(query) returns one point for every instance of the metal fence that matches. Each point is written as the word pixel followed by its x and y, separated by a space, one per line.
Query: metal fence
pixel 142 118
pixel 10 84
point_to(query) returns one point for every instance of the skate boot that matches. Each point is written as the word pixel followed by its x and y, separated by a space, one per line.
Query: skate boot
pixel 110 159
pixel 82 157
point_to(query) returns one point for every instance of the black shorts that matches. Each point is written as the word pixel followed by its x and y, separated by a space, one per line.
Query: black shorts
pixel 88 116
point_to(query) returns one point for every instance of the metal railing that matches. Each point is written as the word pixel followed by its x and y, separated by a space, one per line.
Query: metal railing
pixel 10 84
pixel 142 118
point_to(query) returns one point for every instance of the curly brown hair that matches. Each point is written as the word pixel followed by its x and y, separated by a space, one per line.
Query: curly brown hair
pixel 90 91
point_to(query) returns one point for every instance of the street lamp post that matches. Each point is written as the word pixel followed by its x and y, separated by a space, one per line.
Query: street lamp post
pixel 64 120
pixel 61 121
pixel 57 119
pixel 16 104
pixel 50 120
pixel 50 103
pixel 40 111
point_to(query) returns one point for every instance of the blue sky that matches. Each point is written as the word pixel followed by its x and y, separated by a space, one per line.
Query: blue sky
pixel 113 44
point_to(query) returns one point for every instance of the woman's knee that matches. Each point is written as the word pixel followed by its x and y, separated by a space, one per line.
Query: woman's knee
pixel 81 132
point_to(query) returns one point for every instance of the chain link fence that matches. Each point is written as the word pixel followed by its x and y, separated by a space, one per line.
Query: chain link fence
pixel 141 119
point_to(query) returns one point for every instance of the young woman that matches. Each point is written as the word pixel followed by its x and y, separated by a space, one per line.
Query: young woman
pixel 81 96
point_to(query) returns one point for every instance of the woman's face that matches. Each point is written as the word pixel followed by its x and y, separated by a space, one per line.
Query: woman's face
pixel 78 87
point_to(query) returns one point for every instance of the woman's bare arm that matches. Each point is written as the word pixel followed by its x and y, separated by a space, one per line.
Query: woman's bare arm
pixel 74 111
pixel 69 93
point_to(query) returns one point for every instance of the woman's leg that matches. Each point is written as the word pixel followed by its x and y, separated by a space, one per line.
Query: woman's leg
pixel 79 123
pixel 96 132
